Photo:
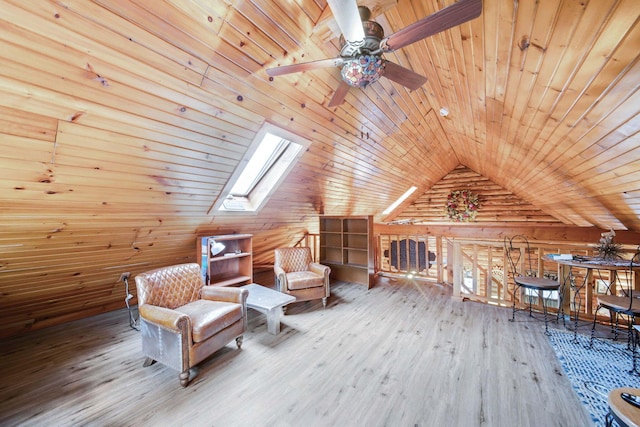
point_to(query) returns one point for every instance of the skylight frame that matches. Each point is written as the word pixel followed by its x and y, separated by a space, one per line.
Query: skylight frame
pixel 263 187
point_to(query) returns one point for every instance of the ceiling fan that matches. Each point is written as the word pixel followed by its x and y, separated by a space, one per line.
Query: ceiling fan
pixel 363 44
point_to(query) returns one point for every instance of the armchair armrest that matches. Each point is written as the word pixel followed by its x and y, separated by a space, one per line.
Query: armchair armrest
pixel 165 317
pixel 281 278
pixel 319 269
pixel 226 294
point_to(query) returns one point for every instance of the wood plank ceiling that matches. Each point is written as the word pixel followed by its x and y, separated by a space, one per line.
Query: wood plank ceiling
pixel 121 121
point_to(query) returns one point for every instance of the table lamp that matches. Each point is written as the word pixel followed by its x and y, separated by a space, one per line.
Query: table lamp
pixel 216 247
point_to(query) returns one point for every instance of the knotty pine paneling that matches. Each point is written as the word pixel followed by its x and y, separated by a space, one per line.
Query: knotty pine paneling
pixel 120 123
pixel 496 204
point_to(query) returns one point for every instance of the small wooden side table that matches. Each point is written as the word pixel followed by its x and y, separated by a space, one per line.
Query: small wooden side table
pixel 625 414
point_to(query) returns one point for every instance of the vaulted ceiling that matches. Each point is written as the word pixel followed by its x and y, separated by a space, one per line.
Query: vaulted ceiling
pixel 542 97
pixel 122 121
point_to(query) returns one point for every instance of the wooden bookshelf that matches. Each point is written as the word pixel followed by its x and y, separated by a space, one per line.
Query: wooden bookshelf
pixel 231 267
pixel 347 246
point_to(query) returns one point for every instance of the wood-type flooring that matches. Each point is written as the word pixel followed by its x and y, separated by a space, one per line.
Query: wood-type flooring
pixel 399 354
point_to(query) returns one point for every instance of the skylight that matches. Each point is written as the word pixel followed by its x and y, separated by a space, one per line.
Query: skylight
pixel 400 200
pixel 260 163
pixel 268 160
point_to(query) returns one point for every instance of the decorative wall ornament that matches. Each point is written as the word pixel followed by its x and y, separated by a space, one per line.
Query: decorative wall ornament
pixel 462 205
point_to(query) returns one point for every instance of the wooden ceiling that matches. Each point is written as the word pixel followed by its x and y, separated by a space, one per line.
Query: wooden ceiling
pixel 121 121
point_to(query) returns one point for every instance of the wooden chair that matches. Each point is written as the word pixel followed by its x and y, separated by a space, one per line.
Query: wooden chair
pixel 182 321
pixel 620 300
pixel 524 277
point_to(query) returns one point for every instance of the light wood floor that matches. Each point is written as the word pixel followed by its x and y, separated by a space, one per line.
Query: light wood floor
pixel 395 355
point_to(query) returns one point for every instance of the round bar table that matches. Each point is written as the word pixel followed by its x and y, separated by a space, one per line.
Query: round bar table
pixel 624 413
pixel 589 264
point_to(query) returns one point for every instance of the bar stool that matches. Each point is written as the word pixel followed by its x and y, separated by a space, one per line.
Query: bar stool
pixel 521 263
pixel 625 414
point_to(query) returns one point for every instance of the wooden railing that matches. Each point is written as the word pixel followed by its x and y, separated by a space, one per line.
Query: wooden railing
pixel 312 241
pixel 422 256
pixel 478 269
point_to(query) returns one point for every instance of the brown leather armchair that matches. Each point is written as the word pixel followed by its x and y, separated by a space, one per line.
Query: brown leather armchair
pixel 297 275
pixel 182 321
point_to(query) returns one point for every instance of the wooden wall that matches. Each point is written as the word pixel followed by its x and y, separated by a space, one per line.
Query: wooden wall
pixel 496 203
pixel 121 121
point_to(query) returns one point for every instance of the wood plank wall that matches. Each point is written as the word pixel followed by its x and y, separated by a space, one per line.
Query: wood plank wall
pixel 496 203
pixel 120 123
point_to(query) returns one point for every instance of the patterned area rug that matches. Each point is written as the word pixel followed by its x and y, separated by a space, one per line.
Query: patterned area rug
pixel 594 371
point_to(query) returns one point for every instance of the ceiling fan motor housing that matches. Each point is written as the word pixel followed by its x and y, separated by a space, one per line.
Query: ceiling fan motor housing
pixel 373 33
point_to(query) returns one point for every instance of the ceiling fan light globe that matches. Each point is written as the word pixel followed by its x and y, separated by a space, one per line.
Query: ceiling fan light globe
pixel 363 70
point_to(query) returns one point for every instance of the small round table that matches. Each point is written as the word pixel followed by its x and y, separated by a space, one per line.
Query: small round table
pixel 625 414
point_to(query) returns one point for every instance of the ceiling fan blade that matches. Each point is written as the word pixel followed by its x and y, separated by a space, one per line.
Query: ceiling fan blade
pixel 305 66
pixel 339 95
pixel 403 76
pixel 451 16
pixel 348 18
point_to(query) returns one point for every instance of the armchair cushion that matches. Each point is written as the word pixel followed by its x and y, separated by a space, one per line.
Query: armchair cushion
pixel 210 317
pixel 304 280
